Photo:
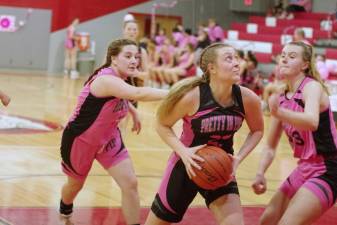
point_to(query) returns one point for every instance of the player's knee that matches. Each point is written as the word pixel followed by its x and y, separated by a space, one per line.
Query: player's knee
pixel 75 185
pixel 269 216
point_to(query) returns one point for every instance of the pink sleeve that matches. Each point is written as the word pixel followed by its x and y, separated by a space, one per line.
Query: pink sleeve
pixel 218 33
pixel 193 40
pixel 178 36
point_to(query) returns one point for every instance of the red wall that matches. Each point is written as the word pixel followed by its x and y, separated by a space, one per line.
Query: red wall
pixel 64 11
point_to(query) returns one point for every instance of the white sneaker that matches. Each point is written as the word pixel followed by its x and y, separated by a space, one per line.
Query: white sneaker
pixel 66 219
pixel 74 74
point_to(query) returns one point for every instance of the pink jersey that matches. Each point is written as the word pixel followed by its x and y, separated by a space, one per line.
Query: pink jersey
pixel 166 53
pixel 188 39
pixel 95 120
pixel 70 41
pixel 306 144
pixel 160 39
pixel 178 37
pixel 216 33
pixel 183 60
pixel 214 124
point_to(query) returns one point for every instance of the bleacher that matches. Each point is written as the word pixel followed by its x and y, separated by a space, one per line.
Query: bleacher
pixel 265 36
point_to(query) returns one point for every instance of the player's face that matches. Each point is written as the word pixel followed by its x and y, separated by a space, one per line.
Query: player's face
pixel 227 64
pixel 127 61
pixel 131 31
pixel 291 62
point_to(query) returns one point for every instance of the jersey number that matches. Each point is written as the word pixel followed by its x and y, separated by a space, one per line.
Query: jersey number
pixel 296 138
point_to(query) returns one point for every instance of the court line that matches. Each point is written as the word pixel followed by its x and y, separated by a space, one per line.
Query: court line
pixel 11 177
pixel 27 147
pixel 4 222
pixel 130 149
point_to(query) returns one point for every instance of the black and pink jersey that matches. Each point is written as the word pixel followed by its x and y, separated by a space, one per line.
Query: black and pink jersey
pixel 214 124
pixel 96 119
pixel 310 144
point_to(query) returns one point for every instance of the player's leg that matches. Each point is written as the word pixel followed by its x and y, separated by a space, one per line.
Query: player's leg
pixel 125 177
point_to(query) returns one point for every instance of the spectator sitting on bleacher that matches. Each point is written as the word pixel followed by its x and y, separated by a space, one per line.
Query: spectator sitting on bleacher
pixel 250 76
pixel 203 38
pixel 185 66
pixel 215 31
pixel 163 59
pixel 189 38
pixel 277 10
pixel 296 6
pixel 177 35
pixel 160 37
pixel 299 35
pixel 321 67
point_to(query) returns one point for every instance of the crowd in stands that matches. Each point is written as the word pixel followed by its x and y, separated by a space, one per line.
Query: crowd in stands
pixel 175 56
pixel 285 9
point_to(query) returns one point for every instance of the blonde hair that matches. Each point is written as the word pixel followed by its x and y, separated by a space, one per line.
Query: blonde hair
pixel 208 55
pixel 309 56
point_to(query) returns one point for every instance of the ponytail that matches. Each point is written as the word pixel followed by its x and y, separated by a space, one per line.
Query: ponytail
pixel 207 56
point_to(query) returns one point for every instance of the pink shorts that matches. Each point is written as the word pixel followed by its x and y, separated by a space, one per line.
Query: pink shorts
pixel 78 155
pixel 69 43
pixel 316 178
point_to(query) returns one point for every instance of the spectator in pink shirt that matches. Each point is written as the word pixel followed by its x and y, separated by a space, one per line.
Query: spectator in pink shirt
pixel 160 38
pixel 299 35
pixel 215 32
pixel 321 67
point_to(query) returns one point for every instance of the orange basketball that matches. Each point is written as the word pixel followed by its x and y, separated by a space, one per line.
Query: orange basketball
pixel 215 170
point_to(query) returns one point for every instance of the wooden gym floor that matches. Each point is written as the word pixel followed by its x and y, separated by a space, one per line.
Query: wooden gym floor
pixel 30 174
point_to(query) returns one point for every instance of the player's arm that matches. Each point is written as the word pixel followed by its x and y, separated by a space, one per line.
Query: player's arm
pixel 268 152
pixel 105 86
pixel 307 120
pixel 254 120
pixel 187 105
pixel 137 126
pixel 267 156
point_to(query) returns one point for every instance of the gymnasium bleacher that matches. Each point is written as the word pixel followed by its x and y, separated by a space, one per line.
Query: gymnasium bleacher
pixel 265 35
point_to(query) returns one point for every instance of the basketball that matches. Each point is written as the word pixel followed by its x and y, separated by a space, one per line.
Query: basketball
pixel 215 171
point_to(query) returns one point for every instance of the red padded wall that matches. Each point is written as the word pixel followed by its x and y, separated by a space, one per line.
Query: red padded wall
pixel 64 11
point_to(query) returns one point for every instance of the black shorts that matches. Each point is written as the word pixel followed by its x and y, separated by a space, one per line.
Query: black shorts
pixel 177 192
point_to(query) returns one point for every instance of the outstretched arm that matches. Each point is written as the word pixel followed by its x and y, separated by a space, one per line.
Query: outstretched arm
pixel 106 86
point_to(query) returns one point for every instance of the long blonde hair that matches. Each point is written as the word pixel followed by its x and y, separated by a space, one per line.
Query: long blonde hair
pixel 207 56
pixel 309 56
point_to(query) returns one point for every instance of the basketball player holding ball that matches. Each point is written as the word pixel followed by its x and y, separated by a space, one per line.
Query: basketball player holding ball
pixel 212 108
